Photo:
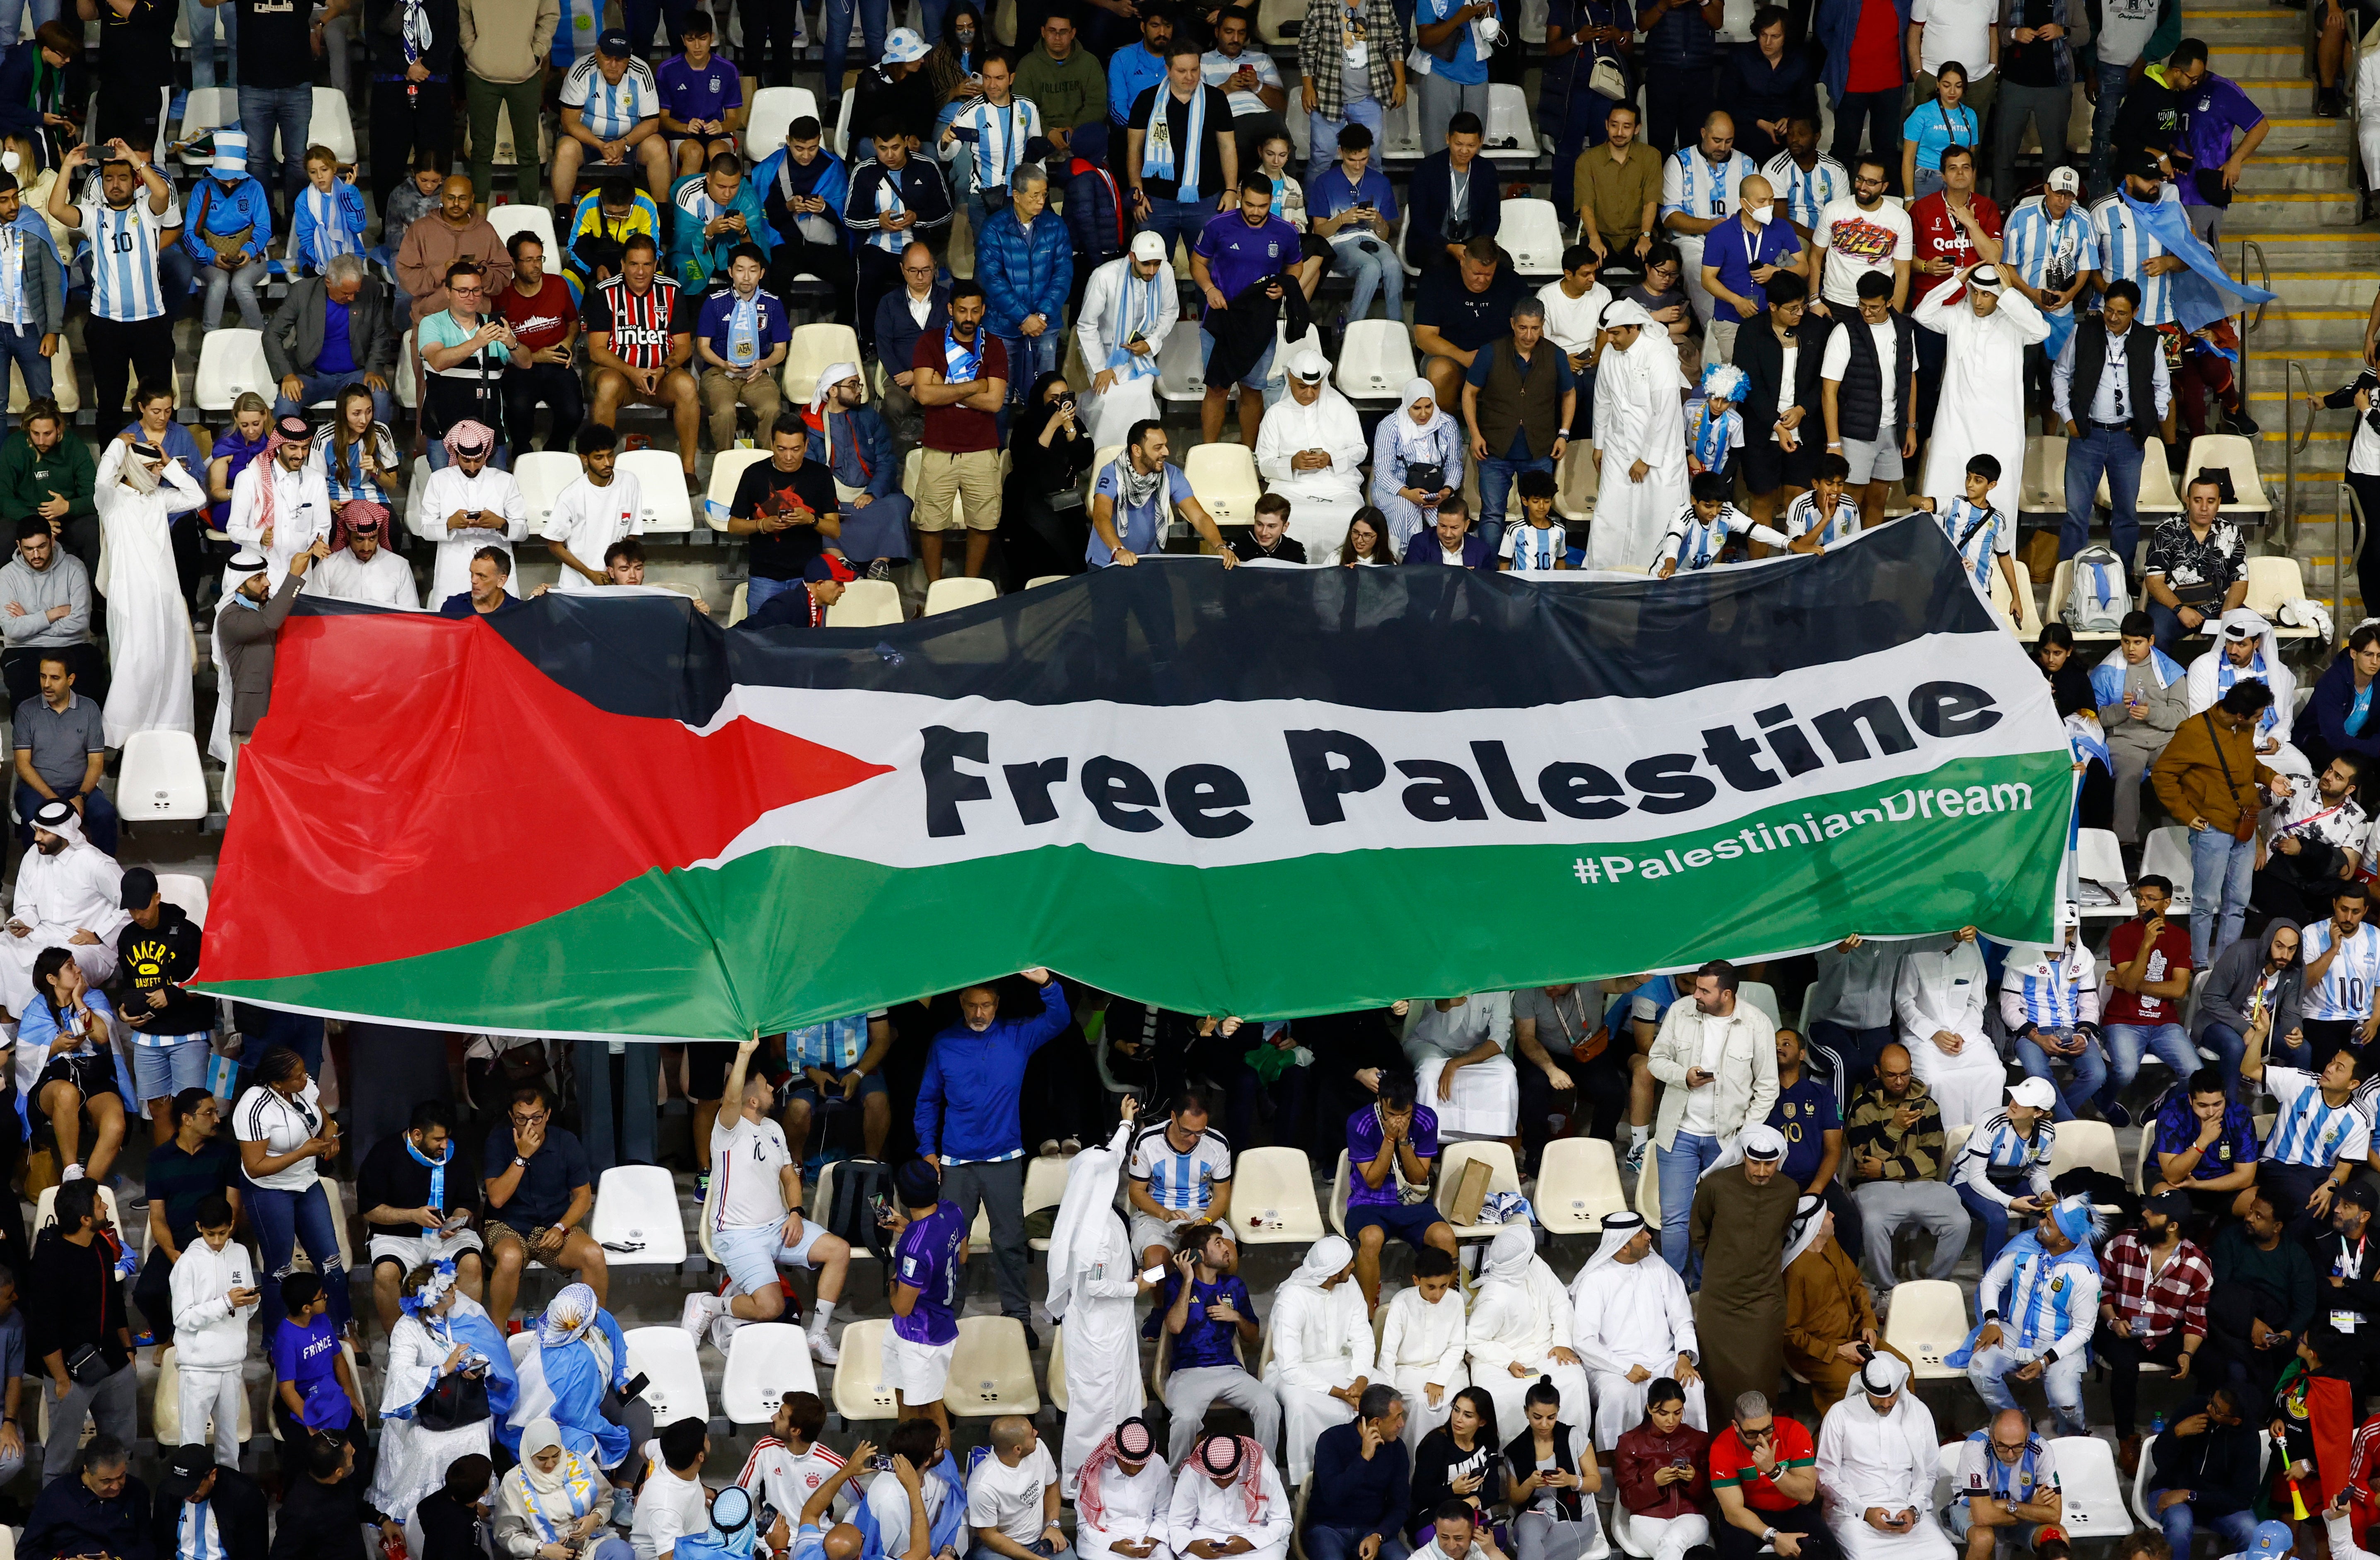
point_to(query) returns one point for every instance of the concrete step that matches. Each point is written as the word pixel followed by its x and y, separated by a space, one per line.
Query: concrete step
pixel 2246 61
pixel 2302 170
pixel 2303 132
pixel 2294 209
pixel 2281 87
pixel 2319 288
pixel 2287 329
pixel 2251 24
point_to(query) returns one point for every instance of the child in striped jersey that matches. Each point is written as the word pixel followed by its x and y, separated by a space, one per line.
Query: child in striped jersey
pixel 1706 526
pixel 1826 516
pixel 1539 545
pixel 1979 530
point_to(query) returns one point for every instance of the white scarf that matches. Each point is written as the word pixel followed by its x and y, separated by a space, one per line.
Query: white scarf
pixel 1157 160
pixel 1415 439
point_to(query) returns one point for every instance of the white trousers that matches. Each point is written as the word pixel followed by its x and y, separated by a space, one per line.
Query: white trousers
pixel 214 1394
pixel 1669 1537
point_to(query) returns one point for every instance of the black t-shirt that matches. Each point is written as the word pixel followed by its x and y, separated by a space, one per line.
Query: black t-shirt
pixel 763 489
pixel 1467 319
pixel 1246 547
pixel 135 50
pixel 2036 64
pixel 1177 120
pixel 392 1177
pixel 276 50
pixel 384 36
pixel 182 1181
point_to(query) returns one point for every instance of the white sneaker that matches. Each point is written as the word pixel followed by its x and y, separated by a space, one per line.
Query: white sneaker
pixel 71 1172
pixel 700 1311
pixel 822 1348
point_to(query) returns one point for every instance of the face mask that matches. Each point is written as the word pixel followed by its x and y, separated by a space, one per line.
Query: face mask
pixel 1763 216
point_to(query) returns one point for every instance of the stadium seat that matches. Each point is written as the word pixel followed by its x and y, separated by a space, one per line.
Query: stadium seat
pixel 2236 454
pixel 773 108
pixel 2098 857
pixel 1531 233
pixel 1403 137
pixel 2060 584
pixel 2168 854
pixel 2043 492
pixel 1928 1320
pixel 2089 1145
pixel 738 603
pixel 765 1360
pixel 207 108
pixel 1279 21
pixel 910 484
pixel 1044 579
pixel 1502 1175
pixel 2024 620
pixel 333 127
pixel 161 778
pixel 991 1373
pixel 1181 364
pixel 660 481
pixel 1648 1190
pixel 2140 1180
pixel 1045 1187
pixel 1580 479
pixel 187 891
pixel 408 382
pixel 46 1209
pixel 843 116
pixel 667 1357
pixel 1057 1371
pixel 63 390
pixel 541 474
pixel 866 604
pixel 1272 1198
pixel 637 1220
pixel 1578 1185
pixel 2156 494
pixel 1338 1188
pixel 950 593
pixel 165 1408
pixel 727 469
pixel 1762 995
pixel 2271 581
pixel 514 217
pixel 812 349
pixel 1376 361
pixel 2090 1489
pixel 231 361
pixel 1622 1534
pixel 1223 480
pixel 1511 129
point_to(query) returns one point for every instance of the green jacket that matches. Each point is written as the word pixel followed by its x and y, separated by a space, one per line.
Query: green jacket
pixel 28 479
pixel 1069 93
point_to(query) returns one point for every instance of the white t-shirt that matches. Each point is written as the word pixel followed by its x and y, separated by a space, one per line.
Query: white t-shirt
pixel 889 1502
pixel 1857 242
pixel 262 1116
pixel 588 519
pixel 1888 354
pixel 1955 29
pixel 1570 323
pixel 668 1509
pixel 1699 1101
pixel 744 1160
pixel 1010 1498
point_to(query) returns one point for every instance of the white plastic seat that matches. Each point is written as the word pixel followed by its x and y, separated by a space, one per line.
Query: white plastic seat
pixel 727 469
pixel 2090 1491
pixel 1928 1321
pixel 866 603
pixel 661 481
pixel 1578 1185
pixel 1502 1175
pixel 740 604
pixel 63 390
pixel 991 1371
pixel 2236 454
pixel 2024 619
pixel 514 217
pixel 1511 129
pixel 231 362
pixel 1376 361
pixel 1045 1187
pixel 1223 480
pixel 541 474
pixel 2043 490
pixel 667 1357
pixel 1056 1349
pixel 843 114
pixel 1762 995
pixel 950 594
pixel 1181 365
pixel 2156 495
pixel 2271 581
pixel 165 1408
pixel 1272 1198
pixel 46 1209
pixel 1402 125
pixel 408 386
pixel 636 1205
pixel 1339 1186
pixel 2098 857
pixel 1531 233
pixel 1649 1191
pixel 2168 854
pixel 1580 482
pixel 1275 16
pixel 2085 1145
pixel 332 125
pixel 813 347
pixel 161 778
pixel 765 1360
pixel 1044 579
pixel 187 891
pixel 774 108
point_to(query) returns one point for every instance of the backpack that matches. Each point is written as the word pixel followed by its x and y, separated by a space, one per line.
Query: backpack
pixel 2097 601
pixel 852 1215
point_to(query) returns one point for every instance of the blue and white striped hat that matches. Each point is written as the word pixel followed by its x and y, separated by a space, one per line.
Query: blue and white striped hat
pixel 230 151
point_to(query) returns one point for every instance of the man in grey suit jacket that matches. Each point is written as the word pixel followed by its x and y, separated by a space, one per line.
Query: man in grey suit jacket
pixel 331 331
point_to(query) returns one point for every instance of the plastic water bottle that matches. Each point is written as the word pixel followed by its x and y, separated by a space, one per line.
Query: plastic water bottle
pixel 2157 1426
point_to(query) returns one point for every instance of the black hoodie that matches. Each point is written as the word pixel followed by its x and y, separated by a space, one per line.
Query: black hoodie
pixel 161 960
pixel 239 1507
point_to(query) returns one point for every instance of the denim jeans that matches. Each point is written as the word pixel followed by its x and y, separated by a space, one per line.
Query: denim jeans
pixel 873 15
pixel 1324 134
pixel 22 344
pixel 1341 1544
pixel 98 818
pixel 2229 1046
pixel 316 387
pixel 2238 1528
pixel 1372 263
pixel 2116 454
pixel 215 283
pixel 1496 480
pixel 1031 357
pixel 1995 1217
pixel 1679 1168
pixel 12 15
pixel 291 111
pixel 1177 219
pixel 283 1220
pixel 2220 869
pixel 2170 631
pixel 201 22
pixel 2089 1066
pixel 763 592
pixel 2103 123
pixel 2124 1042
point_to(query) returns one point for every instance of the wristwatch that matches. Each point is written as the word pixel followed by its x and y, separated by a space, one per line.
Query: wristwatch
pixel 519 1164
pixel 1768 1535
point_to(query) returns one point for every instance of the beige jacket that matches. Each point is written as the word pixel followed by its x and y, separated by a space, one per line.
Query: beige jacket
pixel 1746 1085
pixel 507 40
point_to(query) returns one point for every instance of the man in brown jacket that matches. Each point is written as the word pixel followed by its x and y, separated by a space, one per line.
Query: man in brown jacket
pixel 435 242
pixel 504 44
pixel 247 627
pixel 2208 777
pixel 1828 1317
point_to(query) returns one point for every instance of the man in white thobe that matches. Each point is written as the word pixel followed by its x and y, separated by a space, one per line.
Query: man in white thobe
pixel 1129 308
pixel 1423 1343
pixel 467 505
pixel 1938 998
pixel 1988 326
pixel 280 501
pixel 1094 1284
pixel 1211 1505
pixel 1124 1495
pixel 365 570
pixel 69 895
pixel 1632 1323
pixel 137 493
pixel 2246 647
pixel 1310 450
pixel 1639 432
pixel 1460 1048
pixel 1877 1467
pixel 1321 1349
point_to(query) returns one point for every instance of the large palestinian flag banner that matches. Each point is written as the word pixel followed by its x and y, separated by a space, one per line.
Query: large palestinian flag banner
pixel 1264 791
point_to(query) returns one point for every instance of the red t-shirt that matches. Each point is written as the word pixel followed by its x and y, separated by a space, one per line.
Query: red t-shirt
pixel 960 429
pixel 540 319
pixel 1732 1465
pixel 1875 50
pixel 2171 958
pixel 1934 236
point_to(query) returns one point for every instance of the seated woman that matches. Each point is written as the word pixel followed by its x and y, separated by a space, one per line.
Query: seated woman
pixel 554 1503
pixel 1043 517
pixel 580 1356
pixel 1321 1348
pixel 449 1379
pixel 1664 1470
pixel 1550 1479
pixel 1520 1329
pixel 66 1034
pixel 1453 1461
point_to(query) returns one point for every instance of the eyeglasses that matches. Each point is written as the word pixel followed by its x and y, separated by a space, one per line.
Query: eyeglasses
pixel 466 292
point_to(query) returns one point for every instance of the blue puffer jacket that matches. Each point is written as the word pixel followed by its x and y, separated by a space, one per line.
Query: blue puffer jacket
pixel 1094 207
pixel 1026 273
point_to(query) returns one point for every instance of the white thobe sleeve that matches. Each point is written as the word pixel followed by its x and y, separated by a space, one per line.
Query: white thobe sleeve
pixel 429 518
pixel 515 509
pixel 1449 1359
pixel 1316 1373
pixel 2031 327
pixel 1181 1514
pixel 1274 1533
pixel 180 491
pixel 1344 433
pixel 1588 1305
pixel 1273 442
pixel 241 525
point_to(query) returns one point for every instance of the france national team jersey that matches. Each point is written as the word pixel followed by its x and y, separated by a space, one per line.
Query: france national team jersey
pixel 1806 194
pixel 927 1261
pixel 611 109
pixel 1802 516
pixel 1176 1179
pixel 2309 1130
pixel 2005 1151
pixel 1977 531
pixel 2345 988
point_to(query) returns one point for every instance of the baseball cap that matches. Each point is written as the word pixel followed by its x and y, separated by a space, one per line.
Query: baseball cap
pixel 2143 164
pixel 2172 1204
pixel 2066 181
pixel 1147 245
pixel 1308 365
pixel 140 887
pixel 613 42
pixel 904 47
pixel 2036 1094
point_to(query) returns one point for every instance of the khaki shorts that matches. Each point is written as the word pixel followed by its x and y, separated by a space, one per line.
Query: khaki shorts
pixel 968 483
pixel 498 1232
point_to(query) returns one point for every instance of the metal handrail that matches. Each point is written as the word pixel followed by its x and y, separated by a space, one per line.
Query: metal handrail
pixel 2293 444
pixel 2249 324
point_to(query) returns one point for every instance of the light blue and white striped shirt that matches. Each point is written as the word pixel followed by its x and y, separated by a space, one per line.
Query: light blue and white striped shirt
pixel 1802 516
pixel 124 285
pixel 999 137
pixel 2056 991
pixel 2050 251
pixel 1536 551
pixel 2309 1130
pixel 1175 1178
pixel 2126 248
pixel 1996 1153
pixel 612 110
pixel 1806 194
pixel 2043 1302
pixel 1977 531
pixel 2346 989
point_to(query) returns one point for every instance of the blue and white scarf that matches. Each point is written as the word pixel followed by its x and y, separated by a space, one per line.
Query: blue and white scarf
pixel 2226 673
pixel 961 363
pixel 330 234
pixel 1714 436
pixel 1157 159
pixel 1137 306
pixel 437 1178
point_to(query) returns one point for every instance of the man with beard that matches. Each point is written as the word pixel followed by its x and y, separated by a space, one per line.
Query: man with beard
pixel 364 569
pixel 2152 1307
pixel 70 894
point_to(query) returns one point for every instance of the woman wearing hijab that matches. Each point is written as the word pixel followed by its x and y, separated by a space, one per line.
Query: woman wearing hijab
pixel 1550 1479
pixel 1228 1489
pixel 1877 1452
pixel 555 1498
pixel 1521 1329
pixel 1122 1491
pixel 1321 1342
pixel 138 493
pixel 735 1531
pixel 448 1379
pixel 1640 428
pixel 1457 1462
pixel 1095 1286
pixel 580 1356
pixel 1416 462
pixel 1043 520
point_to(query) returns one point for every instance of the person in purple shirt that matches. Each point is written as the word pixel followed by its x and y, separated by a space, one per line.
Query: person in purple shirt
pixel 1212 1321
pixel 2213 109
pixel 1389 1138
pixel 702 98
pixel 1236 252
pixel 931 1235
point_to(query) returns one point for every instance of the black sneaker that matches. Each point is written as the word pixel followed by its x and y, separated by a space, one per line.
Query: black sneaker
pixel 2243 423
pixel 1032 1340
pixel 2116 1115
